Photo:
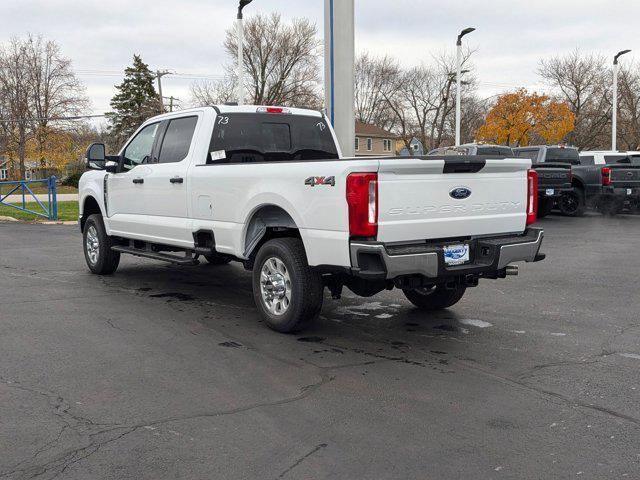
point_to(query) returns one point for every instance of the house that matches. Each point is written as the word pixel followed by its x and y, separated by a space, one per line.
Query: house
pixel 416 148
pixel 372 140
pixel 4 169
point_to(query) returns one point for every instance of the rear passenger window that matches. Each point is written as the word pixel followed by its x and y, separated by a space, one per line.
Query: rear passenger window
pixel 530 154
pixel 610 159
pixel 177 139
pixel 587 160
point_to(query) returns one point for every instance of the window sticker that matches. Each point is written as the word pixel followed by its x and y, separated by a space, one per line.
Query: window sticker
pixel 218 155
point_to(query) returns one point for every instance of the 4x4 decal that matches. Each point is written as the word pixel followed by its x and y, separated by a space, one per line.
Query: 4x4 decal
pixel 313 181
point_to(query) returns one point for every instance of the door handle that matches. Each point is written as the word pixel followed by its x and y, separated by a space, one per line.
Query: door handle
pixel 177 180
pixel 138 180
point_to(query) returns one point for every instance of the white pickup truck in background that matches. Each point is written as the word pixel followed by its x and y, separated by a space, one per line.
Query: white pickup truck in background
pixel 267 186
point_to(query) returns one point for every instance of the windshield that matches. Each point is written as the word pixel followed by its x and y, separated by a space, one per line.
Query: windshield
pixel 263 137
pixel 562 155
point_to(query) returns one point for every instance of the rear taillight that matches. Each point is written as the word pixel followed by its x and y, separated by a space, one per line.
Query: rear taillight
pixel 532 196
pixel 570 176
pixel 606 176
pixel 362 198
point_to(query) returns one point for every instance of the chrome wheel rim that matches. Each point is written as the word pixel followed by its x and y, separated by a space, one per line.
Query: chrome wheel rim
pixel 92 245
pixel 275 286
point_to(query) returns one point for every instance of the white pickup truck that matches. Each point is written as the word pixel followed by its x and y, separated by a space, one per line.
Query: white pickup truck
pixel 267 186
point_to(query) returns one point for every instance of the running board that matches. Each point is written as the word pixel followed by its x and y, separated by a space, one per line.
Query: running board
pixel 139 252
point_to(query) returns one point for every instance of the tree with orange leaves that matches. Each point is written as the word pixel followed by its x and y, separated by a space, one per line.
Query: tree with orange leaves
pixel 518 116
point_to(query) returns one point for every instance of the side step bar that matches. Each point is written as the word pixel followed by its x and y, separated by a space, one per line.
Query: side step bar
pixel 187 260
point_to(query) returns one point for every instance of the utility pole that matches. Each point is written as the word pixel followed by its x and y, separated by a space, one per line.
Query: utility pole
pixel 614 117
pixel 458 80
pixel 159 75
pixel 240 66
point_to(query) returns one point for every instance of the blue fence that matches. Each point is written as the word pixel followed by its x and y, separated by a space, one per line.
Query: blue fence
pixel 22 189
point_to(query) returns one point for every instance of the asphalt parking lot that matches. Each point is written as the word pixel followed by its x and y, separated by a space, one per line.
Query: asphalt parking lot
pixel 166 372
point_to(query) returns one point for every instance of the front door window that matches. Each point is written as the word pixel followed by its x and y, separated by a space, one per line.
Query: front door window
pixel 139 149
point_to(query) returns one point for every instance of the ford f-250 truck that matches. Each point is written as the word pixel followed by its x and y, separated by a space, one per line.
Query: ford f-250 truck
pixel 267 186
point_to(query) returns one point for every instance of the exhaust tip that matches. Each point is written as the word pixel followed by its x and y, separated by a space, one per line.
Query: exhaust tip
pixel 511 270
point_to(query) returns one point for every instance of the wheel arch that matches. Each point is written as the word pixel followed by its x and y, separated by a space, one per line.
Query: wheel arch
pixel 90 206
pixel 265 222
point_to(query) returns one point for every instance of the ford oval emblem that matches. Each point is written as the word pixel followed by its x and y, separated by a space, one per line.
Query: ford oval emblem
pixel 460 193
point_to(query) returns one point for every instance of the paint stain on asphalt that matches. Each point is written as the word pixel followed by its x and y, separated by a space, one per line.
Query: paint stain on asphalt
pixel 230 344
pixel 182 297
pixel 311 339
pixel 475 323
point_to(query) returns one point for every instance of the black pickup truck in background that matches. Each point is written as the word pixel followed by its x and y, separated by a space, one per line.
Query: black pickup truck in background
pixel 619 175
pixel 555 178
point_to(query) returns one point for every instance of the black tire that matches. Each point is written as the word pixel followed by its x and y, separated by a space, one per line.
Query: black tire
pixel 436 298
pixel 304 286
pixel 572 204
pixel 217 259
pixel 609 207
pixel 545 205
pixel 100 259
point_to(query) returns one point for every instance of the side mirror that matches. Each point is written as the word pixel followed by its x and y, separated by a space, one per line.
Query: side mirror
pixel 95 159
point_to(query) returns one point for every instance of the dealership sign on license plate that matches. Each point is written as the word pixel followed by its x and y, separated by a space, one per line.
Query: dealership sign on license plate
pixel 456 254
pixel 550 191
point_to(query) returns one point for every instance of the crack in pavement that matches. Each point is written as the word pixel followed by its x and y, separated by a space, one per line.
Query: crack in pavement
pixel 60 463
pixel 302 459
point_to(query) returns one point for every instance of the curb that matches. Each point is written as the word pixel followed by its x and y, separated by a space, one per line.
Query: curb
pixel 15 220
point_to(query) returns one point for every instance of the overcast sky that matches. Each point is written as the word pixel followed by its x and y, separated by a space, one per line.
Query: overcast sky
pixel 185 36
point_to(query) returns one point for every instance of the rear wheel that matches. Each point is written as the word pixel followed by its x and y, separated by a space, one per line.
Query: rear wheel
pixel 434 298
pixel 100 258
pixel 286 291
pixel 572 204
pixel 545 205
pixel 609 206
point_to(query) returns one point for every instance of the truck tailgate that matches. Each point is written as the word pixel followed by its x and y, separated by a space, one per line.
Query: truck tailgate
pixel 553 175
pixel 417 197
pixel 625 176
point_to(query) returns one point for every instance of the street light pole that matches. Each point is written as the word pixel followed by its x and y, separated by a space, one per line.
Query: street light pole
pixel 614 117
pixel 458 80
pixel 240 67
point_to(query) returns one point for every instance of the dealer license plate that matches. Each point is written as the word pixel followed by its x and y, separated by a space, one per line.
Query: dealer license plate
pixel 456 254
pixel 550 191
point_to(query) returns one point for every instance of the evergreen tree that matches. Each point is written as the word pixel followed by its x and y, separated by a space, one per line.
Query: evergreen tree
pixel 135 101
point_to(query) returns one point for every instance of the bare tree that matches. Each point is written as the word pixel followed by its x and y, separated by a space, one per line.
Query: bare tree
pixel 583 82
pixel 281 61
pixel 54 89
pixel 629 108
pixel 376 81
pixel 213 92
pixel 14 99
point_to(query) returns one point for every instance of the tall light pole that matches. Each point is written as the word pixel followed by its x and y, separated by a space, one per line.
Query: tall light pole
pixel 614 118
pixel 458 80
pixel 240 93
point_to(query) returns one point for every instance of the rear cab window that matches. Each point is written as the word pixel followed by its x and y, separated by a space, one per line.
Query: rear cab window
pixel 265 137
pixel 587 160
pixel 497 151
pixel 530 154
pixel 612 159
pixel 562 155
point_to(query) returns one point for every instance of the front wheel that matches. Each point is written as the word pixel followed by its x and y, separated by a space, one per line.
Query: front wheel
pixel 100 258
pixel 434 298
pixel 286 291
pixel 572 204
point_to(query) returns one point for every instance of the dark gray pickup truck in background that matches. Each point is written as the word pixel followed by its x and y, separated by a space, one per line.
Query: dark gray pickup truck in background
pixel 568 189
pixel 619 176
